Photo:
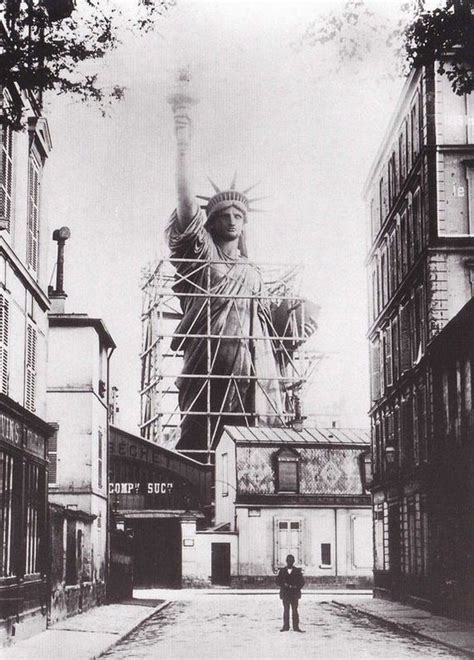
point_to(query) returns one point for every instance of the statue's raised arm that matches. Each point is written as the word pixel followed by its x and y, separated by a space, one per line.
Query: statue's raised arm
pixel 181 102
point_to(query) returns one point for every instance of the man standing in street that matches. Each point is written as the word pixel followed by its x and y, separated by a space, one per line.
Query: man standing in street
pixel 290 580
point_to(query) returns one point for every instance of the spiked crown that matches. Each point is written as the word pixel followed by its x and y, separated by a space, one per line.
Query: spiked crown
pixel 223 198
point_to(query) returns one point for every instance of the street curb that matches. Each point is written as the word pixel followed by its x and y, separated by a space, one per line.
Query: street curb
pixel 401 626
pixel 124 635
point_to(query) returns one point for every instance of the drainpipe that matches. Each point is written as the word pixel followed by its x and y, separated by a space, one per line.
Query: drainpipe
pixel 335 541
pixel 107 509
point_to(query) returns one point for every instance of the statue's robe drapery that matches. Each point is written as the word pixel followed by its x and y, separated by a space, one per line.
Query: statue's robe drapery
pixel 232 312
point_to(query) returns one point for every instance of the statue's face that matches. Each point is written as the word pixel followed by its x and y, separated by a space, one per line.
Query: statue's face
pixel 228 223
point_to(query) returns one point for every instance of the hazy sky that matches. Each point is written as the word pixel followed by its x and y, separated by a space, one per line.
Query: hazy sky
pixel 307 128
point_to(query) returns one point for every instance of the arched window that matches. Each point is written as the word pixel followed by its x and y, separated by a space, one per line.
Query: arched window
pixel 287 471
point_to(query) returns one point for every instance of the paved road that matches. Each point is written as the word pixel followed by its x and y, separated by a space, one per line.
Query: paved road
pixel 247 626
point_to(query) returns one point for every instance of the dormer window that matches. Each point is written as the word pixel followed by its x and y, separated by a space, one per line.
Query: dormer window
pixel 287 471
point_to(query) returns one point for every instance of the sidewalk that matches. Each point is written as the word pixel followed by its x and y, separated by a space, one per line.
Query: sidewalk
pixel 457 635
pixel 85 636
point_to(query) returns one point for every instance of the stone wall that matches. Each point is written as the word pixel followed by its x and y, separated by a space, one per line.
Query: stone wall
pixel 68 600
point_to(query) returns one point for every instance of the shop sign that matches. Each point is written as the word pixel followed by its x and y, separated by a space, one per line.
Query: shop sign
pixel 10 430
pixel 34 443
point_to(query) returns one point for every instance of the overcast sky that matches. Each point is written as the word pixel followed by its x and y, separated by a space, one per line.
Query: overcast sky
pixel 307 128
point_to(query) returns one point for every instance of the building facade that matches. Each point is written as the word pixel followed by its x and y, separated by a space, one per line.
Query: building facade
pixel 79 349
pixel 419 198
pixel 282 491
pixel 23 335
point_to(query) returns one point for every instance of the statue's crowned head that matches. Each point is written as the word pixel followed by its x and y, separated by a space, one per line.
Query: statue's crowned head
pixel 224 199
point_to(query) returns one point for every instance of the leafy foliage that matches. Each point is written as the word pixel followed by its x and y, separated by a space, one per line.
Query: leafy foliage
pixel 39 53
pixel 415 37
pixel 445 35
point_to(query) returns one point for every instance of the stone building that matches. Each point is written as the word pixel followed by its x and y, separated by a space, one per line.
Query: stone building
pixel 282 491
pixel 421 224
pixel 79 349
pixel 23 334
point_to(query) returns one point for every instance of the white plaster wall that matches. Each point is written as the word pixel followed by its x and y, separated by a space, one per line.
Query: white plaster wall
pixel 71 357
pixel 196 559
pixel 225 504
pixel 320 525
pixel 72 411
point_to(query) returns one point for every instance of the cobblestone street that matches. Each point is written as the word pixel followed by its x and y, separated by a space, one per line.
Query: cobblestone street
pixel 247 626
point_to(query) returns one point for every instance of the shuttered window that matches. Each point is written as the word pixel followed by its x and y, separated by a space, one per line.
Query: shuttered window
pixel 53 458
pixel 396 348
pixel 100 460
pixel 6 176
pixel 30 379
pixel 388 356
pixel 375 369
pixel 405 343
pixel 32 248
pixel 288 540
pixel 4 333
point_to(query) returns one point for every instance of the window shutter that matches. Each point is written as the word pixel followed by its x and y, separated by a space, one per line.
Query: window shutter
pixel 375 367
pixel 6 176
pixel 395 348
pixel 100 460
pixel 53 458
pixel 33 214
pixel 4 331
pixel 30 394
pixel 405 344
pixel 388 357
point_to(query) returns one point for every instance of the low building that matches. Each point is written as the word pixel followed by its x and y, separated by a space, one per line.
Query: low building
pixel 282 491
pixel 77 403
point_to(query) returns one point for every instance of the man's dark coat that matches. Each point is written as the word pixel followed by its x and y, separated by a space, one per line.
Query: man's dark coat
pixel 290 583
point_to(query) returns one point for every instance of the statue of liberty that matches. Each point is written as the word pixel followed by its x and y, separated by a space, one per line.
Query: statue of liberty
pixel 231 367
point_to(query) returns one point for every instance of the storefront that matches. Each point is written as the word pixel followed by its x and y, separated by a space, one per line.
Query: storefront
pixel 23 517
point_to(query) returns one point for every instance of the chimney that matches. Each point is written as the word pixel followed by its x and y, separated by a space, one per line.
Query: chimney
pixel 57 295
pixel 334 424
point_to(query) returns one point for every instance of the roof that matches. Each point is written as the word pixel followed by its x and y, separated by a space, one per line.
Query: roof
pixel 265 435
pixel 83 321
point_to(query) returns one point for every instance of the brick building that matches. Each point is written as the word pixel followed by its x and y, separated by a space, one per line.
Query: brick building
pixel 420 201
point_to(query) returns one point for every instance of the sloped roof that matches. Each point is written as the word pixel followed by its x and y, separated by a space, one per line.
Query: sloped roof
pixel 265 435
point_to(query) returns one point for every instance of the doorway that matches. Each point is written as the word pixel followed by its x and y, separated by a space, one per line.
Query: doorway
pixel 157 553
pixel 220 564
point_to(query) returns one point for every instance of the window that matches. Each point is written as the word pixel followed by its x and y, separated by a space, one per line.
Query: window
pixel 6 176
pixel 287 471
pixel 375 369
pixel 99 460
pixel 53 457
pixel 4 331
pixel 388 356
pixel 6 514
pixel 30 380
pixel 71 549
pixel 225 475
pixel 288 540
pixel 415 127
pixel 33 504
pixel 325 554
pixel 32 251
pixel 395 348
pixel 405 340
pixel 378 538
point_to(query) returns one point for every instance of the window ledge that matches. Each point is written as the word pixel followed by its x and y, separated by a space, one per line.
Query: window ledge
pixel 326 566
